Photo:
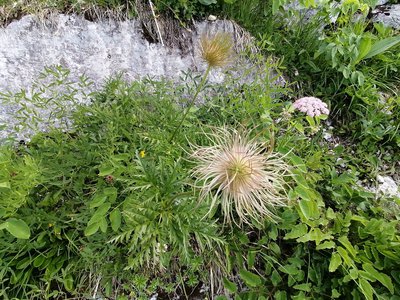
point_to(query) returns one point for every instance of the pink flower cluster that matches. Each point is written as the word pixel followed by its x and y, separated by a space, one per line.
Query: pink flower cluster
pixel 311 106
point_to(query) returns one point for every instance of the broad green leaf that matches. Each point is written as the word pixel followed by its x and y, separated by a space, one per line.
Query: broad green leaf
pixel 335 262
pixel 309 209
pixel 275 6
pixel 364 48
pixel 229 285
pixel 251 258
pixel 115 219
pixel 326 245
pixel 92 229
pixel 103 224
pixel 251 279
pixel 316 235
pixel 18 228
pixel 306 287
pixel 99 214
pixel 382 45
pixel 349 247
pixel 330 214
pixel 275 278
pixel 98 200
pixel 345 256
pixel 366 289
pixel 22 264
pixel 297 231
pixel 68 282
pixel 111 193
pixel 381 277
pixel 280 295
pixel 299 163
pixel 106 170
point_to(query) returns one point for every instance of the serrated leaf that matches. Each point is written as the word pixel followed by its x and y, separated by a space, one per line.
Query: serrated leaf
pixel 251 279
pixel 326 245
pixel 115 219
pixel 381 277
pixel 17 228
pixel 366 289
pixel 335 262
pixel 229 285
pixel 349 247
pixel 296 232
pixel 306 287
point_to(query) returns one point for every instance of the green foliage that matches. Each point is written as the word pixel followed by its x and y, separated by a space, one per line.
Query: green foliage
pixel 104 202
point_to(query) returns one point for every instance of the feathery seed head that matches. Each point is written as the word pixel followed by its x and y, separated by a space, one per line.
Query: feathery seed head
pixel 216 50
pixel 242 175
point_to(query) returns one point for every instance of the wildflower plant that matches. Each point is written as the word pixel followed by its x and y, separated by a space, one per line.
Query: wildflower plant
pixel 311 106
pixel 242 175
pixel 217 51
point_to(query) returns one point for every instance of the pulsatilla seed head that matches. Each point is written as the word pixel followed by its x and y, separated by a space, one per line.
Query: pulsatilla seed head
pixel 238 173
pixel 216 50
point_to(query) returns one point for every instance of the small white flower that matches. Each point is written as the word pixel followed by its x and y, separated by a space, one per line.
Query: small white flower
pixel 311 106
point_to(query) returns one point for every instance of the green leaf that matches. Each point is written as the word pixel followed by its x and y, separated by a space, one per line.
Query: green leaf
pixel 229 285
pixel 306 287
pixel 326 245
pixel 251 279
pixel 349 247
pixel 280 295
pixel 5 185
pixel 115 219
pixel 98 200
pixel 275 278
pixel 91 229
pixel 68 282
pixel 381 277
pixel 106 170
pixel 382 45
pixel 103 224
pixel 296 232
pixel 18 228
pixel 309 209
pixel 207 2
pixel 364 48
pixel 316 235
pixel 366 289
pixel 335 262
pixel 299 163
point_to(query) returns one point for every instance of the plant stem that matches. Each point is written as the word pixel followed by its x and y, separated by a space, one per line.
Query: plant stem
pixel 199 87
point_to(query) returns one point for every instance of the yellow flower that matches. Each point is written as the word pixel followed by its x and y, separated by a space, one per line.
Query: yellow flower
pixel 142 153
pixel 216 50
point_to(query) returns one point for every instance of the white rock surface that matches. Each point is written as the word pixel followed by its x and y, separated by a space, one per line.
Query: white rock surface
pixel 390 16
pixel 387 186
pixel 97 49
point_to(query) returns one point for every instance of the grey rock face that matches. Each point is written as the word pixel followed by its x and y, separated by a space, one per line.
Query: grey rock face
pixel 98 49
pixel 388 15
